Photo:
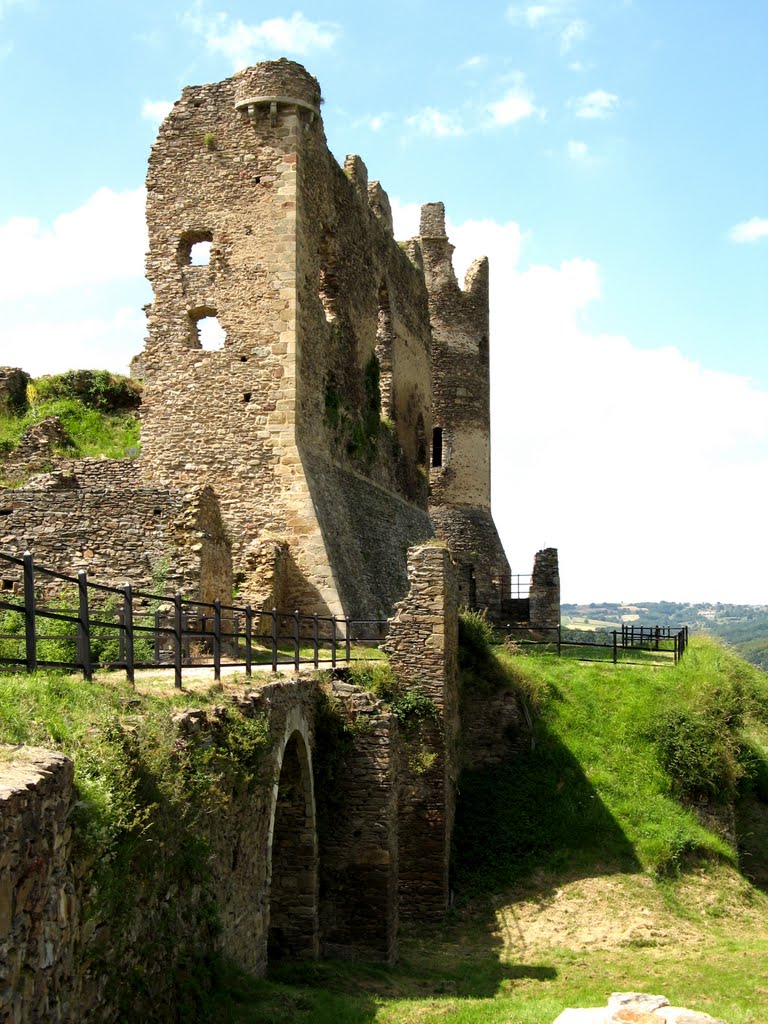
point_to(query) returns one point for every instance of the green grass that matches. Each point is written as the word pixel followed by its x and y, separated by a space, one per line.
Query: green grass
pixel 92 431
pixel 593 824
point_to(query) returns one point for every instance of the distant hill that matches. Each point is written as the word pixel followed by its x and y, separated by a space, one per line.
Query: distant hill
pixel 745 626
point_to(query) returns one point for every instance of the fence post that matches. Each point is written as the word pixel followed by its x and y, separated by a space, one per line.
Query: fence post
pixel 29 612
pixel 559 638
pixel 615 653
pixel 157 636
pixel 236 632
pixel 178 627
pixel 248 638
pixel 217 639
pixel 333 642
pixel 130 670
pixel 316 639
pixel 347 649
pixel 274 639
pixel 187 645
pixel 296 656
pixel 84 626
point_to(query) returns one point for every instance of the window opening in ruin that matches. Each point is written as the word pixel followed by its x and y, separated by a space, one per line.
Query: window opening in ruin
pixel 247 395
pixel 195 248
pixel 385 342
pixel 200 254
pixel 328 288
pixel 437 446
pixel 207 333
pixel 243 359
pixel 293 891
pixel 7 584
pixel 483 349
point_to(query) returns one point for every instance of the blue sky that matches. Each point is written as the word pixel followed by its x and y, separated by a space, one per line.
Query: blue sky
pixel 610 156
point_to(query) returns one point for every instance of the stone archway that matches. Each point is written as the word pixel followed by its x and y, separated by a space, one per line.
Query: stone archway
pixel 293 884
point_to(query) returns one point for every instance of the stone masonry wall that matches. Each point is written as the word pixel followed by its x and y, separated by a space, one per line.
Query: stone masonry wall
pixel 359 834
pixel 545 589
pixel 95 515
pixel 423 649
pixel 307 282
pixel 39 915
pixel 460 477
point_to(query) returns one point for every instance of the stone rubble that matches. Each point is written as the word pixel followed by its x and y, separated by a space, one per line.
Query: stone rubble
pixel 635 1008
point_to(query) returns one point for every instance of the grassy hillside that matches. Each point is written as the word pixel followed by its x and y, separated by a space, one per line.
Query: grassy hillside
pixel 745 626
pixel 98 411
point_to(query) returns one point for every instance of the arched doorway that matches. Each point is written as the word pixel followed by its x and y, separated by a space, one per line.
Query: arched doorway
pixel 293 916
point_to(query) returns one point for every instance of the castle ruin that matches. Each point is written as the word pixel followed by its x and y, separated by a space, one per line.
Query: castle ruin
pixel 341 413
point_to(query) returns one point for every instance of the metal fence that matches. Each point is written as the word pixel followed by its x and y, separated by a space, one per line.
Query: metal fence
pixel 129 629
pixel 661 644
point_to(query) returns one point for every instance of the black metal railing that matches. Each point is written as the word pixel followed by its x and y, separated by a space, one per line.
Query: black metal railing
pixel 124 628
pixel 662 643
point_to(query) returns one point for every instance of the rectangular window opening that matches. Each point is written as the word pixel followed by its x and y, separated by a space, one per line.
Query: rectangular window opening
pixel 437 446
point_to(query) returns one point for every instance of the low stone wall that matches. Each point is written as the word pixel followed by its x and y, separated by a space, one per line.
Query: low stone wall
pixel 40 924
pixel 95 515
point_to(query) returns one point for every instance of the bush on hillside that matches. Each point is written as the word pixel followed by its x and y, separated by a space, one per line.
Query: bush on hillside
pixel 98 389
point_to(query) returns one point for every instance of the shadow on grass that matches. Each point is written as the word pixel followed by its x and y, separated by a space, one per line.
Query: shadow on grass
pixel 537 815
pixel 459 958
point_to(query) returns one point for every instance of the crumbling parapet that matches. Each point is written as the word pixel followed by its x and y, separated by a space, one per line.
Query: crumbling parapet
pixel 423 648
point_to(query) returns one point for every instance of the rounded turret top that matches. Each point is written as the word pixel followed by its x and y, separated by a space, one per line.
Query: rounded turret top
pixel 277 81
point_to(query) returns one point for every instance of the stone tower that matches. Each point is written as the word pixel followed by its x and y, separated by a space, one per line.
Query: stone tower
pixel 309 413
pixel 460 474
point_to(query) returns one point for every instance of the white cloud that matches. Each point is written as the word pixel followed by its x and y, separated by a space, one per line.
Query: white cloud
pixel 535 14
pixel 435 123
pixel 516 105
pixel 156 110
pixel 245 44
pixel 479 60
pixel 595 440
pixel 596 105
pixel 102 240
pixel 749 230
pixel 574 32
pixel 375 122
pixel 577 150
pixel 54 345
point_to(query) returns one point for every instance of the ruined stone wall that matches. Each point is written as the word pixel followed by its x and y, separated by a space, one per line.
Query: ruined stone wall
pixel 306 281
pixel 460 474
pixel 13 389
pixel 40 917
pixel 96 515
pixel 545 589
pixel 423 649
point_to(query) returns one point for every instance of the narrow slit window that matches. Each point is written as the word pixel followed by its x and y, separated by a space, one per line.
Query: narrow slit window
pixel 437 446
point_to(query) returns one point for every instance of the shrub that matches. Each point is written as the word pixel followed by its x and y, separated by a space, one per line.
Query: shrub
pixel 97 389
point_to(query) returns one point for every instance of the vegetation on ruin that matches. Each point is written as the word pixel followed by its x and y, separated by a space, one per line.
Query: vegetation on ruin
pixel 97 409
pixel 145 793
